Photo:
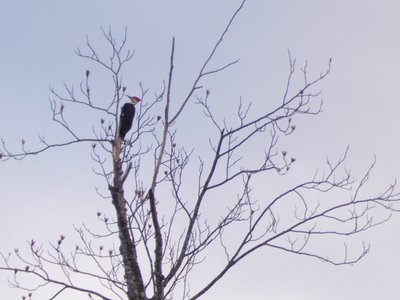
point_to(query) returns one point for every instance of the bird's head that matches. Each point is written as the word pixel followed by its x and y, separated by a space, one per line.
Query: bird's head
pixel 134 99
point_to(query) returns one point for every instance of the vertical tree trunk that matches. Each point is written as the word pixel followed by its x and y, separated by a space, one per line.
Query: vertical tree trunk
pixel 133 276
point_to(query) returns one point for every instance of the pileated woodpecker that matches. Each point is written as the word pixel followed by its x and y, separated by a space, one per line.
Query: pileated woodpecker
pixel 126 116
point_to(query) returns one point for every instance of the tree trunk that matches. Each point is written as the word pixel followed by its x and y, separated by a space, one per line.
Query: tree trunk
pixel 133 276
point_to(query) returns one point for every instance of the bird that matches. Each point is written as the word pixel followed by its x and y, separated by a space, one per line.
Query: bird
pixel 126 116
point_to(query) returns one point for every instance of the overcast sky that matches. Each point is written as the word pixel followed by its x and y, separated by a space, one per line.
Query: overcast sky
pixel 44 196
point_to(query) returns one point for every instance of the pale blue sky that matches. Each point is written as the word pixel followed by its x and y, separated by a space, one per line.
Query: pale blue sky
pixel 361 109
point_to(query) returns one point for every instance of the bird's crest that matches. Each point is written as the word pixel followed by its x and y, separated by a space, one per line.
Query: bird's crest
pixel 134 99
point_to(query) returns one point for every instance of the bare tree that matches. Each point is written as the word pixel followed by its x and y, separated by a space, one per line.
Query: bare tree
pixel 159 223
